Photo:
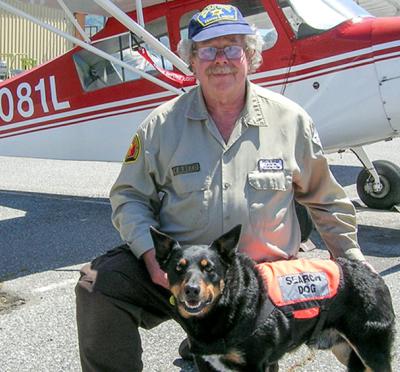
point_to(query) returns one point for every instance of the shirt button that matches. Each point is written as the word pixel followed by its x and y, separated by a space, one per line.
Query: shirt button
pixel 226 185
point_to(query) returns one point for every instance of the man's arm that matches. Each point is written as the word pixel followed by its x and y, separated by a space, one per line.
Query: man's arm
pixel 135 204
pixel 331 210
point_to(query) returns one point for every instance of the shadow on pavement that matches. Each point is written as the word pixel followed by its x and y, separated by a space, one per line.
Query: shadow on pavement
pixel 41 232
pixel 346 175
pixel 374 241
pixel 390 270
pixel 379 241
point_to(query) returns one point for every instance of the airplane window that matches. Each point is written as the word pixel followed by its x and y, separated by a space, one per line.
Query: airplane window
pixel 96 72
pixel 294 20
pixel 184 23
pixel 254 13
pixel 313 17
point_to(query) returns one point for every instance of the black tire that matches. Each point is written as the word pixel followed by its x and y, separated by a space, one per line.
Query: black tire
pixel 305 222
pixel 389 175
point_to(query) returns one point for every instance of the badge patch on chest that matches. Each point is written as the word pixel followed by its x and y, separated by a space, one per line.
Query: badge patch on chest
pixel 265 165
pixel 186 168
pixel 301 286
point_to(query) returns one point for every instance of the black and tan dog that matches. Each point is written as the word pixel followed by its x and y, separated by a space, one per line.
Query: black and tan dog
pixel 233 325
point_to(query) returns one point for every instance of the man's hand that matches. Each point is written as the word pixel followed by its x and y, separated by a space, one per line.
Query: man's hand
pixel 157 275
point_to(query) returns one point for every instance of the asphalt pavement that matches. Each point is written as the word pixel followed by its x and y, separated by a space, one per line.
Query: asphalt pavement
pixel 55 216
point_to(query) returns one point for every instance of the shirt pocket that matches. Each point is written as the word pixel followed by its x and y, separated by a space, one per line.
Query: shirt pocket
pixel 268 193
pixel 268 181
pixel 186 203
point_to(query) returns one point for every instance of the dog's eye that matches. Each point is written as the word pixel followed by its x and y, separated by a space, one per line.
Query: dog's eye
pixel 180 268
pixel 209 268
pixel 181 265
pixel 206 265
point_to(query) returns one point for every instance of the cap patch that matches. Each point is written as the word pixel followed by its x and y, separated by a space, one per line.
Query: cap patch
pixel 217 20
pixel 217 13
pixel 134 150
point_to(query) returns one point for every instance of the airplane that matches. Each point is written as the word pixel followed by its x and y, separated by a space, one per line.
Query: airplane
pixel 331 56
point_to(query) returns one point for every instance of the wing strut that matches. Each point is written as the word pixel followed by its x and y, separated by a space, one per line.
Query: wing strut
pixel 139 13
pixel 73 20
pixel 131 25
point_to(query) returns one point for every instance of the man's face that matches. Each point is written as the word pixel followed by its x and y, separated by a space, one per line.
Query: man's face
pixel 221 75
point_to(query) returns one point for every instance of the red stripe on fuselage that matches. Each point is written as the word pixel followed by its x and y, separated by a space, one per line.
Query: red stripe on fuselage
pixel 368 57
pixel 21 130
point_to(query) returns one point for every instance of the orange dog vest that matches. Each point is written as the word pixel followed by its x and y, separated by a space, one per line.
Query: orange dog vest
pixel 301 286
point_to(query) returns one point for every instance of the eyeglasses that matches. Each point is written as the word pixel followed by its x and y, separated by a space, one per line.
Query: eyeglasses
pixel 210 53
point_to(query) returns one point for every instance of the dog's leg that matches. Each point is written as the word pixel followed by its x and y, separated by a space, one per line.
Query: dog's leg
pixel 273 368
pixel 378 362
pixel 368 356
pixel 202 365
pixel 342 351
pixel 355 364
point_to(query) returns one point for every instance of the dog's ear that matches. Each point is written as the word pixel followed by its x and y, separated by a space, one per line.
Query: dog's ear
pixel 163 245
pixel 226 245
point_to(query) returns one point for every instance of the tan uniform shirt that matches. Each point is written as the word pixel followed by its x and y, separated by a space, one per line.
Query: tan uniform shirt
pixel 183 178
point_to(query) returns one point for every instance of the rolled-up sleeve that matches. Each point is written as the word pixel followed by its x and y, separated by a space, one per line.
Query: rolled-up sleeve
pixel 134 198
pixel 331 210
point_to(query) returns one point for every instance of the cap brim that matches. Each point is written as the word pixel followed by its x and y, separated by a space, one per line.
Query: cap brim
pixel 217 31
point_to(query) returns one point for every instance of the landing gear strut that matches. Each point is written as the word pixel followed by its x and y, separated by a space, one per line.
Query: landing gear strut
pixel 378 184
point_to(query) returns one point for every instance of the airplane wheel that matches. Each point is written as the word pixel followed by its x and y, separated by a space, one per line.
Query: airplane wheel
pixel 389 176
pixel 305 222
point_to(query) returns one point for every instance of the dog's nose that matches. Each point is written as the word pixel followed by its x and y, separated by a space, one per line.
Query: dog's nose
pixel 192 290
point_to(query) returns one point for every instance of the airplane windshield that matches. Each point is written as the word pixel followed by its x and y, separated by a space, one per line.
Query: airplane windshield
pixel 312 17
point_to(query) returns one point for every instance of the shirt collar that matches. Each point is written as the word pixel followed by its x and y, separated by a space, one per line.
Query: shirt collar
pixel 252 113
pixel 197 108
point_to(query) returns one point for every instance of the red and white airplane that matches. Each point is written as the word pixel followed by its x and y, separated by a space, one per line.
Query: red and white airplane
pixel 331 56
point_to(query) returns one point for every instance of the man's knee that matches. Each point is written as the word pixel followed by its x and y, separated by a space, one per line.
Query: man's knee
pixel 87 279
pixel 109 339
pixel 114 274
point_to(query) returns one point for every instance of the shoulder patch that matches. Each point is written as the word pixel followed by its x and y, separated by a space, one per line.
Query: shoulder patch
pixel 134 150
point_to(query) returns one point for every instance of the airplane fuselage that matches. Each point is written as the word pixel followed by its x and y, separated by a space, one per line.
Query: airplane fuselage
pixel 347 77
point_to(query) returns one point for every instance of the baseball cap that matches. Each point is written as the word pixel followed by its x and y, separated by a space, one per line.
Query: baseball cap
pixel 218 20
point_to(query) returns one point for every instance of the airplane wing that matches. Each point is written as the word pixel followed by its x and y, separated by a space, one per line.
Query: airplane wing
pixel 381 8
pixel 90 7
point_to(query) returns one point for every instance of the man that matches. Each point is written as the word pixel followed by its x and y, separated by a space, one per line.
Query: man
pixel 227 152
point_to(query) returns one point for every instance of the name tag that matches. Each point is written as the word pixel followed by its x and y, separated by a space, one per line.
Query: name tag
pixel 186 168
pixel 304 286
pixel 265 165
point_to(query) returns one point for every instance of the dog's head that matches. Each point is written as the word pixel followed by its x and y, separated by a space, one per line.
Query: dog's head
pixel 196 273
